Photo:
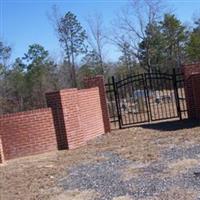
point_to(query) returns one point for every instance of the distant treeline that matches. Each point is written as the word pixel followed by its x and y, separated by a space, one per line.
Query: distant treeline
pixel 148 39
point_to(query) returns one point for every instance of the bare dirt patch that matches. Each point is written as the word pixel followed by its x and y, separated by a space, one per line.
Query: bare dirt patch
pixel 76 195
pixel 181 166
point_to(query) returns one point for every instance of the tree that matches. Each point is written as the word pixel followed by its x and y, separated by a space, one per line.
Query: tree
pixel 150 52
pixel 175 37
pixel 97 40
pixel 16 87
pixel 127 60
pixel 36 55
pixel 133 23
pixel 72 38
pixel 40 75
pixel 89 66
pixel 163 46
pixel 24 84
pixel 92 60
pixel 193 46
pixel 5 52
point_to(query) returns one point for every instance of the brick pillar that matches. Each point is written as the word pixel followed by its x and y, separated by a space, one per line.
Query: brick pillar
pixel 65 110
pixel 192 88
pixel 71 112
pixel 1 151
pixel 196 93
pixel 98 81
pixel 55 103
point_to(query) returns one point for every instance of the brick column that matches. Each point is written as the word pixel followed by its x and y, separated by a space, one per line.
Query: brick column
pixel 192 88
pixel 71 113
pixel 1 151
pixel 196 92
pixel 55 103
pixel 98 81
pixel 65 110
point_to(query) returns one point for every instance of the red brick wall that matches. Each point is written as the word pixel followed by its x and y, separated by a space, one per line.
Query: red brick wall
pixel 71 112
pixel 74 118
pixel 192 88
pixel 80 118
pixel 27 133
pixel 196 94
pixel 90 113
pixel 98 81
pixel 191 69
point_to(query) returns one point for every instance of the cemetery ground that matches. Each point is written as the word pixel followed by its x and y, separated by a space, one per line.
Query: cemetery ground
pixel 148 162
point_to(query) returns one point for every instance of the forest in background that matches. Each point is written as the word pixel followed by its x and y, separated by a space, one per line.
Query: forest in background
pixel 148 38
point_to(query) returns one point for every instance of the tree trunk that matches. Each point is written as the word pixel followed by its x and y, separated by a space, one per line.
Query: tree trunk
pixel 73 70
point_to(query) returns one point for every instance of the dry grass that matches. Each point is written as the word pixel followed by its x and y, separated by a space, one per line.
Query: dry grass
pixel 122 198
pixel 133 170
pixel 175 194
pixel 181 166
pixel 35 177
pixel 76 195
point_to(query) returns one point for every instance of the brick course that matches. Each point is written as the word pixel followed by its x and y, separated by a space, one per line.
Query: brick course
pixel 27 133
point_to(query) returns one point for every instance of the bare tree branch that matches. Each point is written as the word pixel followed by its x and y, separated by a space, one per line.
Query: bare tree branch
pixel 96 36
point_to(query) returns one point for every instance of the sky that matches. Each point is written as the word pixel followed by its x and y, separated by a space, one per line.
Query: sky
pixel 24 22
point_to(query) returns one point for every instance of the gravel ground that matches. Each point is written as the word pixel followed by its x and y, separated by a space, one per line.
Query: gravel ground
pixel 181 152
pixel 154 162
pixel 105 177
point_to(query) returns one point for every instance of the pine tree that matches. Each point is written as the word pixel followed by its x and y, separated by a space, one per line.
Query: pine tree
pixel 72 38
pixel 175 37
pixel 193 46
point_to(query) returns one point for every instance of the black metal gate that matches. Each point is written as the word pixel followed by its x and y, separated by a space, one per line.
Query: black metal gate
pixel 136 99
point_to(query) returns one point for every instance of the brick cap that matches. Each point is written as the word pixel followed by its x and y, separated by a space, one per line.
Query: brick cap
pixel 89 89
pixel 61 91
pixel 25 112
pixel 94 77
pixel 68 90
pixel 190 64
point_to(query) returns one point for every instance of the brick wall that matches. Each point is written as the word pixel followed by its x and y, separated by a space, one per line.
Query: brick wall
pixel 192 88
pixel 81 116
pixel 196 93
pixel 191 69
pixel 98 81
pixel 54 101
pixel 71 112
pixel 74 117
pixel 90 113
pixel 27 133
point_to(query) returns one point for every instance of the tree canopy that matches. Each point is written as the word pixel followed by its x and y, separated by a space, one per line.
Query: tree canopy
pixel 145 43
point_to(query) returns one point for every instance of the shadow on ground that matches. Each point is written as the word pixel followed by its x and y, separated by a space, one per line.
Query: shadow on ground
pixel 172 125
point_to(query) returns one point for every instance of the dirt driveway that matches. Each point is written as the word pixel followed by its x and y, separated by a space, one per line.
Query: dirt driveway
pixel 158 161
